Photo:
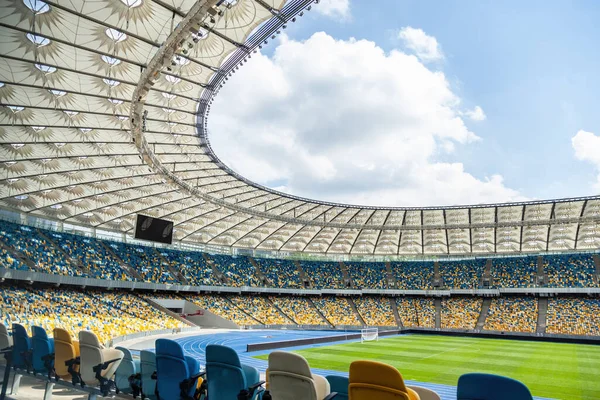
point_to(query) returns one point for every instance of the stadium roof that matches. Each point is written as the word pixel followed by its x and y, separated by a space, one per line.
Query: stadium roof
pixel 104 114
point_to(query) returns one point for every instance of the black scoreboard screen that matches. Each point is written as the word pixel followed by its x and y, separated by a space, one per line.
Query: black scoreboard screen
pixel 153 229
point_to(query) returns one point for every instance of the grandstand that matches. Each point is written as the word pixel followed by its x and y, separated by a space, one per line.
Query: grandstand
pixel 104 117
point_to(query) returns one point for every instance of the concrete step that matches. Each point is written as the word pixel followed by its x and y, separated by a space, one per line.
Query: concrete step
pixel 438 312
pixel 542 313
pixel 353 306
pixel 485 307
pixel 394 306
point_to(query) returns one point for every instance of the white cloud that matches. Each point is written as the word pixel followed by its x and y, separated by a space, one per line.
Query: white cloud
pixel 344 121
pixel 587 148
pixel 424 46
pixel 336 9
pixel 476 114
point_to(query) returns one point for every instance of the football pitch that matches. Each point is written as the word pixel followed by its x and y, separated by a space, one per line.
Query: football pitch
pixel 553 370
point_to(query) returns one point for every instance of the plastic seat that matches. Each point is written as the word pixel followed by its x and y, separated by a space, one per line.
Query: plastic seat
pixel 5 339
pixel 424 393
pixel 93 354
pixel 21 354
pixel 128 367
pixel 374 380
pixel 65 350
pixel 478 386
pixel 148 368
pixel 290 378
pixel 226 376
pixel 42 351
pixel 338 384
pixel 174 369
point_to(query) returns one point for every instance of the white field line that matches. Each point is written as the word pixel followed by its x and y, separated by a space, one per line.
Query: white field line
pixel 443 352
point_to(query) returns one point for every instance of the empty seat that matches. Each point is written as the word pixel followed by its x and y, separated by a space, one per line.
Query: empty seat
pixel 148 368
pixel 176 373
pixel 128 367
pixel 5 339
pixel 339 385
pixel 290 378
pixel 226 375
pixel 65 350
pixel 42 351
pixel 425 394
pixel 94 354
pixel 21 354
pixel 478 386
pixel 374 380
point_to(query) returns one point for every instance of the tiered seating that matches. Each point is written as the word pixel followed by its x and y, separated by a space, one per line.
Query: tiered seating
pixel 367 275
pixel 238 270
pixel 90 253
pixel 512 315
pixel 324 275
pixel 375 311
pixel 414 275
pixel 280 273
pixel 223 308
pixel 8 261
pixel 75 311
pixel 464 274
pixel 260 309
pixel 337 310
pixel 460 312
pixel 573 316
pixel 416 311
pixel 146 261
pixel 570 270
pixel 192 265
pixel 299 309
pixel 514 272
pixel 32 245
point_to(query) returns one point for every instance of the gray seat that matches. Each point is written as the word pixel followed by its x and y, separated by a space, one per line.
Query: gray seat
pixel 93 354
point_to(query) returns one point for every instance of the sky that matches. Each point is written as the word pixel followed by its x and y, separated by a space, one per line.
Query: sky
pixel 421 103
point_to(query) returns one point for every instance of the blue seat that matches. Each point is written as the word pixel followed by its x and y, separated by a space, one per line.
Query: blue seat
pixel 128 367
pixel 147 369
pixel 478 386
pixel 42 351
pixel 225 374
pixel 338 384
pixel 173 368
pixel 21 347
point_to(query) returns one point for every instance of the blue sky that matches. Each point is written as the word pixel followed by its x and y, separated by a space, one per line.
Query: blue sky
pixel 533 68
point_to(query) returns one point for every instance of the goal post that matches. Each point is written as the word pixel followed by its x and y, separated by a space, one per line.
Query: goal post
pixel 369 334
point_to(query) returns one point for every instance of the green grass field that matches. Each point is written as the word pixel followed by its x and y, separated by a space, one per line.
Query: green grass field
pixel 554 370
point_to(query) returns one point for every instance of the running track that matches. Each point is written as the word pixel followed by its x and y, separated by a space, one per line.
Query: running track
pixel 195 346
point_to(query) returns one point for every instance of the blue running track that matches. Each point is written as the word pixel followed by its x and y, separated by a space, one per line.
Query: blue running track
pixel 195 346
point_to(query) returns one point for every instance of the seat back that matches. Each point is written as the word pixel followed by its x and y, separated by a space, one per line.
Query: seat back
pixel 5 339
pixel 224 373
pixel 171 369
pixel 375 380
pixel 21 346
pixel 91 355
pixel 148 367
pixel 42 346
pixel 290 377
pixel 338 384
pixel 424 393
pixel 127 367
pixel 478 386
pixel 65 349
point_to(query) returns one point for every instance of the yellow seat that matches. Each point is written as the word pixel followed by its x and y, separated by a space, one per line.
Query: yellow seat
pixel 374 380
pixel 65 349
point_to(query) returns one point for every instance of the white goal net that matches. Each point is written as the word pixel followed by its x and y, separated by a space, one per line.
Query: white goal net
pixel 369 334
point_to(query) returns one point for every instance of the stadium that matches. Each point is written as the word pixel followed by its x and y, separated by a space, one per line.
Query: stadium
pixel 134 263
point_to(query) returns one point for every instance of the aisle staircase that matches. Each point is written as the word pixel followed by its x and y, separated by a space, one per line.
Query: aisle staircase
pixel 597 265
pixel 346 274
pixel 394 306
pixel 166 310
pixel 18 255
pixel 438 312
pixel 437 281
pixel 486 279
pixel 216 271
pixel 174 273
pixel 72 261
pixel 260 275
pixel 485 307
pixel 124 266
pixel 304 279
pixel 542 313
pixel 280 311
pixel 542 275
pixel 391 278
pixel 353 306
pixel 319 312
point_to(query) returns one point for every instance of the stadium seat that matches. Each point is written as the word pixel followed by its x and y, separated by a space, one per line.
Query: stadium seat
pixel 425 394
pixel 147 369
pixel 339 385
pixel 375 380
pixel 226 376
pixel 98 365
pixel 128 368
pixel 42 351
pixel 5 339
pixel 66 350
pixel 478 386
pixel 21 347
pixel 177 375
pixel 290 378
